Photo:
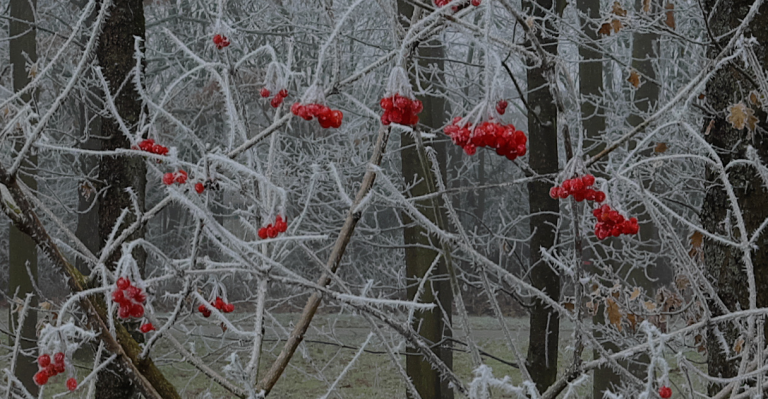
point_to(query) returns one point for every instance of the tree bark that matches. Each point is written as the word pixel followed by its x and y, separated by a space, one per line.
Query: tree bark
pixel 724 265
pixel 418 257
pixel 544 327
pixel 119 174
pixel 22 249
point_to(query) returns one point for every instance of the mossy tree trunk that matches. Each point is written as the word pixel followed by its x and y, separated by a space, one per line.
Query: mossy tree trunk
pixel 724 265
pixel 115 54
pixel 22 249
pixel 431 325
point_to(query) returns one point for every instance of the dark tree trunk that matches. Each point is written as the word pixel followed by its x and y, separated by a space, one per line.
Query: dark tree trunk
pixel 22 249
pixel 115 54
pixel 723 264
pixel 418 258
pixel 543 159
pixel 593 120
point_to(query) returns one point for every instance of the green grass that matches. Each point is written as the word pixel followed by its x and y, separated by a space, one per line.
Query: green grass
pixel 373 376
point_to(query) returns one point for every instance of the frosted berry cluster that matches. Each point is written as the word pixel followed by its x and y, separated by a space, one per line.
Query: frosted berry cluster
pixel 401 110
pixel 665 392
pixel 219 304
pixel 271 230
pixel 611 223
pixel 149 145
pixel 326 116
pixel 179 177
pixel 48 369
pixel 130 298
pixel 277 99
pixel 580 188
pixel 442 3
pixel 220 41
pixel 501 106
pixel 505 139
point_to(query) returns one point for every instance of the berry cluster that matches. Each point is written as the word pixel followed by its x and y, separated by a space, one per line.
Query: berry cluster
pixel 149 145
pixel 507 141
pixel 326 116
pixel 218 304
pixel 130 298
pixel 401 110
pixel 178 177
pixel 48 369
pixel 580 188
pixel 277 99
pixel 147 327
pixel 665 392
pixel 611 223
pixel 441 3
pixel 501 106
pixel 220 41
pixel 271 230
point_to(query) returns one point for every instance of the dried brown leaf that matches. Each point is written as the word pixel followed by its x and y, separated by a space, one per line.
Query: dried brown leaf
pixel 616 25
pixel 636 293
pixel 738 345
pixel 613 312
pixel 670 21
pixel 618 9
pixel 569 306
pixel 660 148
pixel 634 78
pixel 646 6
pixel 651 306
pixel 741 116
pixel 605 29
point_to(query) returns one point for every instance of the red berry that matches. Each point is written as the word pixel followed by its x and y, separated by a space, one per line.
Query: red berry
pixel 118 296
pixel 501 106
pixel 168 179
pixel 218 303
pixel 276 101
pixel 265 92
pixel 58 358
pixel 41 378
pixel 599 196
pixel 147 327
pixel 137 311
pixel 271 231
pixel 123 283
pixel 133 291
pixel 181 176
pixel 71 384
pixel 124 312
pixel 217 39
pixel 50 370
pixel 199 187
pixel 44 360
pixel 263 234
pixel 229 308
pixel 554 192
pixel 665 392
pixel 281 226
pixel 476 3
pixel 588 180
pixel 202 308
pixel 282 93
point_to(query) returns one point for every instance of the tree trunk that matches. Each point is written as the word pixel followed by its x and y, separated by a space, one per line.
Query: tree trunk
pixel 544 327
pixel 593 121
pixel 418 258
pixel 723 264
pixel 22 249
pixel 115 54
